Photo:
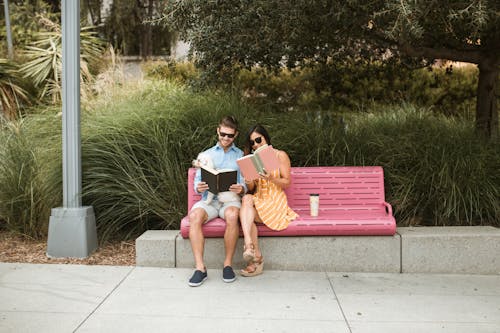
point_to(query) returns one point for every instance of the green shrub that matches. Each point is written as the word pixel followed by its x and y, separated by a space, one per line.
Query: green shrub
pixel 136 153
pixel 451 92
pixel 280 90
pixel 138 142
pixel 437 171
pixel 180 72
pixel 29 182
pixel 351 87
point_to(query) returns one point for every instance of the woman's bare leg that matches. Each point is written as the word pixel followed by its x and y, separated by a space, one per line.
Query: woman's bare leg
pixel 247 218
pixel 255 240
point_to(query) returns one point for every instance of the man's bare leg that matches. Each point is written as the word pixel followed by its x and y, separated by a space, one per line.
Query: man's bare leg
pixel 196 219
pixel 231 234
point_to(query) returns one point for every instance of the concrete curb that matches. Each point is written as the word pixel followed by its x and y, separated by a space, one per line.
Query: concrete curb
pixel 461 250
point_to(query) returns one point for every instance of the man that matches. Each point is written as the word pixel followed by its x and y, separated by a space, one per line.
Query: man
pixel 224 155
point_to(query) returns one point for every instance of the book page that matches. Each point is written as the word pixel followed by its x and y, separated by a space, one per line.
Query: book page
pixel 218 180
pixel 263 158
pixel 247 167
pixel 268 158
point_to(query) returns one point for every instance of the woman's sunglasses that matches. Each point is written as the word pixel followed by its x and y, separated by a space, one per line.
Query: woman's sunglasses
pixel 222 134
pixel 257 140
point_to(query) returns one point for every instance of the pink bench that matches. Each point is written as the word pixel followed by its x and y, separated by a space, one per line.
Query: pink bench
pixel 352 202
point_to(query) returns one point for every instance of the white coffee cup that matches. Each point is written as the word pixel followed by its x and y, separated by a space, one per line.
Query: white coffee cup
pixel 314 204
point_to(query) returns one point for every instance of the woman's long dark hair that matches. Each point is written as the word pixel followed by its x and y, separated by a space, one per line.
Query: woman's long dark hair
pixel 247 149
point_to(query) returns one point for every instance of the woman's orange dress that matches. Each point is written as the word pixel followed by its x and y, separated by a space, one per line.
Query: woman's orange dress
pixel 272 205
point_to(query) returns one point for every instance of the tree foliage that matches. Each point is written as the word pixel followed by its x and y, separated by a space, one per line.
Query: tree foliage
pixel 278 32
pixel 130 27
pixel 23 26
pixel 43 65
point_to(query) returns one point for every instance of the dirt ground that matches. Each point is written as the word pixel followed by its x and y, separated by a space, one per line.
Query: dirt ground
pixel 17 249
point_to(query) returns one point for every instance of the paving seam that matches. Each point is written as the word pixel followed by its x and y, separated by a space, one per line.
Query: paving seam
pixel 338 302
pixel 105 298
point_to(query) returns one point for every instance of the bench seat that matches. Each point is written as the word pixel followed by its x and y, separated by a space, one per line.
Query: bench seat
pixel 352 202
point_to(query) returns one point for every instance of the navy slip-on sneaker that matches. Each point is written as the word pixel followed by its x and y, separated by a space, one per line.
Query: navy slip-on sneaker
pixel 198 278
pixel 228 274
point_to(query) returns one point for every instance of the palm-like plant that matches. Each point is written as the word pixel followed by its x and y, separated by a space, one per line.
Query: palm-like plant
pixel 44 58
pixel 12 94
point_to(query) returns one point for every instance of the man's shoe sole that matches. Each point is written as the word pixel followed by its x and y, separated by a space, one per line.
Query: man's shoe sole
pixel 192 284
pixel 229 280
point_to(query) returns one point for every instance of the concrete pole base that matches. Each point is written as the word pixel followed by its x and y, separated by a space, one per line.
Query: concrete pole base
pixel 72 232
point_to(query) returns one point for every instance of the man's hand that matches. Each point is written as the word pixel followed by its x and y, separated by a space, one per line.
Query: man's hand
pixel 237 188
pixel 202 187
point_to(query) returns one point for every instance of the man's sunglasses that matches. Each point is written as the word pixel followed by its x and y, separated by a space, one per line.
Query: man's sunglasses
pixel 222 134
pixel 257 140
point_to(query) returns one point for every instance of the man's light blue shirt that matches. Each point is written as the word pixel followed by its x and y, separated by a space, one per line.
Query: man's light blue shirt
pixel 222 160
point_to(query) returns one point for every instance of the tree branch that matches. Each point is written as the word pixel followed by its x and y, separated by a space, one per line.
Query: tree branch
pixel 471 56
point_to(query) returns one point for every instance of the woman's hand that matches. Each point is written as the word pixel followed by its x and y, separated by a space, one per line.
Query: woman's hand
pixel 265 175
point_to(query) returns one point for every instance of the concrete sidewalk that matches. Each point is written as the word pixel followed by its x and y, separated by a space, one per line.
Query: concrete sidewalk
pixel 79 298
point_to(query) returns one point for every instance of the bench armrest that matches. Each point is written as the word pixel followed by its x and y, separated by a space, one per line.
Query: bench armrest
pixel 388 208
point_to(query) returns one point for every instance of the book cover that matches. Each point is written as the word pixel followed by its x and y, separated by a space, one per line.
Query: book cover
pixel 253 164
pixel 218 180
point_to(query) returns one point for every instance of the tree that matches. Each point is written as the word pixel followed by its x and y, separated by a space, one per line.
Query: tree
pixel 24 27
pixel 130 27
pixel 279 32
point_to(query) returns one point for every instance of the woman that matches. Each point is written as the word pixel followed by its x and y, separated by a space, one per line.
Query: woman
pixel 263 205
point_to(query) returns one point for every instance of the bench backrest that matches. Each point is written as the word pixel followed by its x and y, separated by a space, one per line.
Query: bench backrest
pixel 338 187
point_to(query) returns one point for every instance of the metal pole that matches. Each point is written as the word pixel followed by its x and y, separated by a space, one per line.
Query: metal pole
pixel 72 228
pixel 72 170
pixel 7 28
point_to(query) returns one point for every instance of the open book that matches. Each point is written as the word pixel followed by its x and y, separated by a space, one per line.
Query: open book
pixel 263 158
pixel 218 180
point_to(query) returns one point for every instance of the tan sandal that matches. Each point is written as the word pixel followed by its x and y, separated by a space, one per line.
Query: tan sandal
pixel 249 253
pixel 254 267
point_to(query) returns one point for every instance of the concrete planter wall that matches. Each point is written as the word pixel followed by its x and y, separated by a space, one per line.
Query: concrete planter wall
pixel 453 250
